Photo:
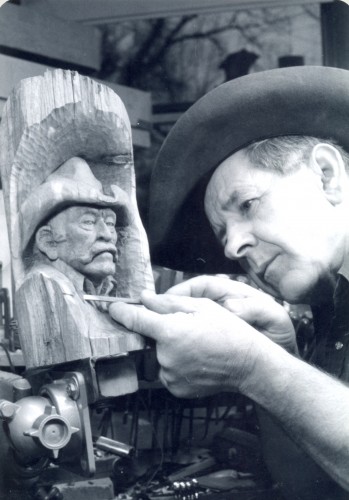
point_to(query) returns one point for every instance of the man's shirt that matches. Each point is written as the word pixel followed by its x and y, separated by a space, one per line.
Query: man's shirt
pixel 331 353
pixel 297 473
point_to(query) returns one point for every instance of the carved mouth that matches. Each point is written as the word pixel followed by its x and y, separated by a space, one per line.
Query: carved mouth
pixel 110 251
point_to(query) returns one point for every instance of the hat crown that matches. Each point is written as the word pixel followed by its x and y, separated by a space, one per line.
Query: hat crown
pixel 78 170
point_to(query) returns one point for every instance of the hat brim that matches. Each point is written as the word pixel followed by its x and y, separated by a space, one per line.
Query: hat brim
pixel 307 100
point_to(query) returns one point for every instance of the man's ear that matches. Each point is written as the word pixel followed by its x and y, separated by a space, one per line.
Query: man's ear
pixel 328 161
pixel 45 242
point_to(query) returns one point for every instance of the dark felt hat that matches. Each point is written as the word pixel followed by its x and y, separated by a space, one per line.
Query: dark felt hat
pixel 304 100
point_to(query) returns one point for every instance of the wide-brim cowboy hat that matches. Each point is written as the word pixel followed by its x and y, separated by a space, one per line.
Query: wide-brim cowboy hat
pixel 308 100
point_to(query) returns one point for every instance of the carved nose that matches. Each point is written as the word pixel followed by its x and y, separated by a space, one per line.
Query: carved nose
pixel 105 232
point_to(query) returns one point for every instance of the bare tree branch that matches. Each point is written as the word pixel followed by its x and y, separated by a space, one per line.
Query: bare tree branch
pixel 312 11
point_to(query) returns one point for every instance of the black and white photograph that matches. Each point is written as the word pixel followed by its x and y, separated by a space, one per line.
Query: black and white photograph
pixel 174 250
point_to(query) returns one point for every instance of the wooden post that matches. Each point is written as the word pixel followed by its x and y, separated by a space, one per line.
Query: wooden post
pixel 335 34
pixel 65 141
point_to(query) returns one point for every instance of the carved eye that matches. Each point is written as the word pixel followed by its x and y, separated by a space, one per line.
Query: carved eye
pixel 88 221
pixel 110 221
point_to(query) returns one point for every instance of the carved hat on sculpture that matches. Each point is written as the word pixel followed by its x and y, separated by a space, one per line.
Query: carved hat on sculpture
pixel 71 145
pixel 71 184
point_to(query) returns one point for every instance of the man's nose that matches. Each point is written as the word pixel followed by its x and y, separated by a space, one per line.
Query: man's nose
pixel 239 241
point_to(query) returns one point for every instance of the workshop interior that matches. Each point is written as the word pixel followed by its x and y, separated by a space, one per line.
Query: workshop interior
pixel 69 430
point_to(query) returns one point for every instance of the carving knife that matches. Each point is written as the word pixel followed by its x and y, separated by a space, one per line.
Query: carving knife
pixel 106 298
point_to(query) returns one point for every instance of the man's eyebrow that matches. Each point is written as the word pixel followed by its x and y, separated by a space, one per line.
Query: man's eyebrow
pixel 233 197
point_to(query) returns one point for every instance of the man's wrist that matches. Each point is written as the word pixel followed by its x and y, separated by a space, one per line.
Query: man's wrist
pixel 267 368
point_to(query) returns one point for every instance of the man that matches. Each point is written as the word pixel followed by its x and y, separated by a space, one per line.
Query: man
pixel 256 156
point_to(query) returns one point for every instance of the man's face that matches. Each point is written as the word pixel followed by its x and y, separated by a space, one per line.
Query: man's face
pixel 86 240
pixel 282 229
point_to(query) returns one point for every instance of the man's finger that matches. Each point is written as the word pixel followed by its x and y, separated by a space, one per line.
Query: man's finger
pixel 137 319
pixel 254 311
pixel 194 287
pixel 216 288
pixel 211 287
pixel 168 304
pixel 247 309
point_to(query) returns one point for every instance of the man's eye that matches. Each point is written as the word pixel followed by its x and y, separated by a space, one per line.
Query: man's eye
pixel 247 205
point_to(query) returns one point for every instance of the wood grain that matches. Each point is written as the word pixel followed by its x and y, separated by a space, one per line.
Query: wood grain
pixel 137 102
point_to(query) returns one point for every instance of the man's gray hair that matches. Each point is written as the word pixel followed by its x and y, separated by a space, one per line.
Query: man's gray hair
pixel 286 154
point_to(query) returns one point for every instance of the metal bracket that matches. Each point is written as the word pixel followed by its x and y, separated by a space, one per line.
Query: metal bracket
pixel 69 396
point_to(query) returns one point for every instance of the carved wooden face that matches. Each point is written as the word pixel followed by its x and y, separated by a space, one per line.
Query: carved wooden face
pixel 85 238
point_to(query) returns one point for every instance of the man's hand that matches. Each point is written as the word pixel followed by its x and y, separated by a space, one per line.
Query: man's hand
pixel 256 308
pixel 202 348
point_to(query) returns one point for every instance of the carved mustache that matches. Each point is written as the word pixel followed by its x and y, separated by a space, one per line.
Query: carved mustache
pixel 109 249
pixel 98 250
